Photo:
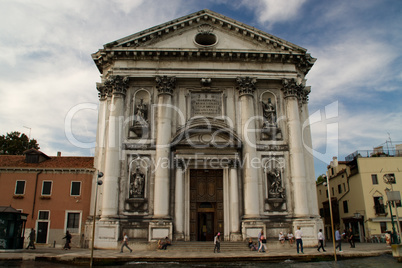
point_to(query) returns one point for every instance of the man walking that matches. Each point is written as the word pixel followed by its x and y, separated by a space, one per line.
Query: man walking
pixel 350 237
pixel 338 239
pixel 320 241
pixel 299 241
pixel 125 243
pixel 32 239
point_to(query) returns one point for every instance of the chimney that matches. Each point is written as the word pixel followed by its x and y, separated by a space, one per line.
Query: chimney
pixel 58 154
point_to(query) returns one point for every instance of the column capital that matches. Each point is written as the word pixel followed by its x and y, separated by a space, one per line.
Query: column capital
pixel 117 84
pixel 102 91
pixel 246 85
pixel 165 84
pixel 291 88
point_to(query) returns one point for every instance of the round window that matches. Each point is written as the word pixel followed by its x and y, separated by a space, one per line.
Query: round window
pixel 205 39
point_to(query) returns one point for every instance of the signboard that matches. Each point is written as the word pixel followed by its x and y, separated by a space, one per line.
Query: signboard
pixel 206 104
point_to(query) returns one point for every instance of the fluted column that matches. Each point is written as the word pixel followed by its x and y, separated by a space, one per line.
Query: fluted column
pixel 234 199
pixel 292 92
pixel 179 201
pixel 165 86
pixel 117 86
pixel 246 87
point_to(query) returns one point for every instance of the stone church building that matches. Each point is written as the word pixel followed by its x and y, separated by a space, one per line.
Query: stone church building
pixel 203 128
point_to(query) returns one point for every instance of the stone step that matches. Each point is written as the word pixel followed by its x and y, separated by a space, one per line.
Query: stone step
pixel 193 246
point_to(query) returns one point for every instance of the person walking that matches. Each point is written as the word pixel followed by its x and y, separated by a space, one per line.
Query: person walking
pixel 68 240
pixel 259 238
pixel 217 242
pixel 263 243
pixel 350 238
pixel 338 239
pixel 32 239
pixel 320 241
pixel 125 243
pixel 299 241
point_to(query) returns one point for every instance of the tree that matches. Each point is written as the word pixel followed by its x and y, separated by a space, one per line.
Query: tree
pixel 15 143
pixel 321 179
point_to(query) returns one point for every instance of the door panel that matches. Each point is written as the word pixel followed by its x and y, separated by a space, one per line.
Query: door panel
pixel 42 232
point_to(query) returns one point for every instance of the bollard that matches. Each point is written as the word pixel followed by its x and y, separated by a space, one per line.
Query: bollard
pixel 54 244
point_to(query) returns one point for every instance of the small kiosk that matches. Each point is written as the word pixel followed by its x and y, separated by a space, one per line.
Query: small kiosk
pixel 12 227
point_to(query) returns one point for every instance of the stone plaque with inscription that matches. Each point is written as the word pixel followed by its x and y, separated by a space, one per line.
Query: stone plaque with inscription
pixel 206 104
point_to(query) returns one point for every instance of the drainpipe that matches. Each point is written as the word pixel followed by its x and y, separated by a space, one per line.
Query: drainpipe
pixel 34 199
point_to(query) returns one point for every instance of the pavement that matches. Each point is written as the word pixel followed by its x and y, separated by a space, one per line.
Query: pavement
pixel 80 256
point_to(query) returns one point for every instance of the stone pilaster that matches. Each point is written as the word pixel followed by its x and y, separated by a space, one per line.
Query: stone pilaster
pixel 292 93
pixel 117 85
pixel 234 203
pixel 246 87
pixel 165 86
pixel 179 201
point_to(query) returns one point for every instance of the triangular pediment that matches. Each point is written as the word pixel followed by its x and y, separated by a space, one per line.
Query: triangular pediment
pixel 204 34
pixel 181 33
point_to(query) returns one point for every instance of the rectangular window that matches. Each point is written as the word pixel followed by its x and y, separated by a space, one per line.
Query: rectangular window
pixel 333 191
pixel 383 226
pixel 326 191
pixel 47 188
pixel 43 215
pixel 73 222
pixel 20 187
pixel 345 207
pixel 374 178
pixel 339 188
pixel 379 205
pixel 344 187
pixel 75 188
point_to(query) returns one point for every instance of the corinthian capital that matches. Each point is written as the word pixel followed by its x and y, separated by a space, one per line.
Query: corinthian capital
pixel 291 88
pixel 117 84
pixel 165 84
pixel 246 85
pixel 103 91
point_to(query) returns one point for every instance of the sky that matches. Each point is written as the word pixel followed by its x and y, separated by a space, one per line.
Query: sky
pixel 48 78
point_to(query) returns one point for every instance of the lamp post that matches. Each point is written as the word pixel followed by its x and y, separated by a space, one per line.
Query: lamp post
pixel 98 182
pixel 332 220
pixel 393 196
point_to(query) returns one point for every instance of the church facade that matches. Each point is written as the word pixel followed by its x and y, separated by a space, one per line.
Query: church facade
pixel 203 128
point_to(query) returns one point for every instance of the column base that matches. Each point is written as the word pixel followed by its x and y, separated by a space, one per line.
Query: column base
pixel 106 234
pixel 309 228
pixel 159 229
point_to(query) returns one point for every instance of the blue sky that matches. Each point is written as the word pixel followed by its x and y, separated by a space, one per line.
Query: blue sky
pixel 46 70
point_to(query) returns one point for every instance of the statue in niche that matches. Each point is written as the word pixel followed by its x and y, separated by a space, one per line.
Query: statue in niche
pixel 140 126
pixel 137 183
pixel 141 113
pixel 275 190
pixel 269 113
pixel 270 129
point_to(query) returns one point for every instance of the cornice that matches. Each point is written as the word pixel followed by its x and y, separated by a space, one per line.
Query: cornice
pixel 48 170
pixel 134 47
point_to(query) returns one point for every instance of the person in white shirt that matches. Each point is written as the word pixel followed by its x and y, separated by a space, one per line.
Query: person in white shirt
pixel 281 238
pixel 299 241
pixel 217 242
pixel 320 241
pixel 125 243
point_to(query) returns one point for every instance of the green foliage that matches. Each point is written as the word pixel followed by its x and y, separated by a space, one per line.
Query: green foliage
pixel 15 143
pixel 321 179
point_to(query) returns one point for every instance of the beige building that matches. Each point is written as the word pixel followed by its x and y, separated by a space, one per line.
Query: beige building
pixel 358 189
pixel 200 131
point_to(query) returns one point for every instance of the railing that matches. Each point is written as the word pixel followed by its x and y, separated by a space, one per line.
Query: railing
pixel 374 153
pixel 380 210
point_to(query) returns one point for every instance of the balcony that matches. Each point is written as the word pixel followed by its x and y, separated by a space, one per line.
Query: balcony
pixel 380 210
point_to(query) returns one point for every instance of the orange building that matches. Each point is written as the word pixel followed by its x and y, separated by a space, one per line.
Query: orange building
pixel 55 192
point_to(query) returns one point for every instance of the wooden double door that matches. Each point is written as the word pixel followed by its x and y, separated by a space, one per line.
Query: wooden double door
pixel 206 204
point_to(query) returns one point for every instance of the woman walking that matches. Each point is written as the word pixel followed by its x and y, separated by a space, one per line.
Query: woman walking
pixel 217 242
pixel 263 243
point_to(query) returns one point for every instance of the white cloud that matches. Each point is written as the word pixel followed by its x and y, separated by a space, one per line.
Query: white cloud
pixel 272 11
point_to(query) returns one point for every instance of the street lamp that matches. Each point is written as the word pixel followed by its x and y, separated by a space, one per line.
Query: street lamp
pixel 98 182
pixel 330 212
